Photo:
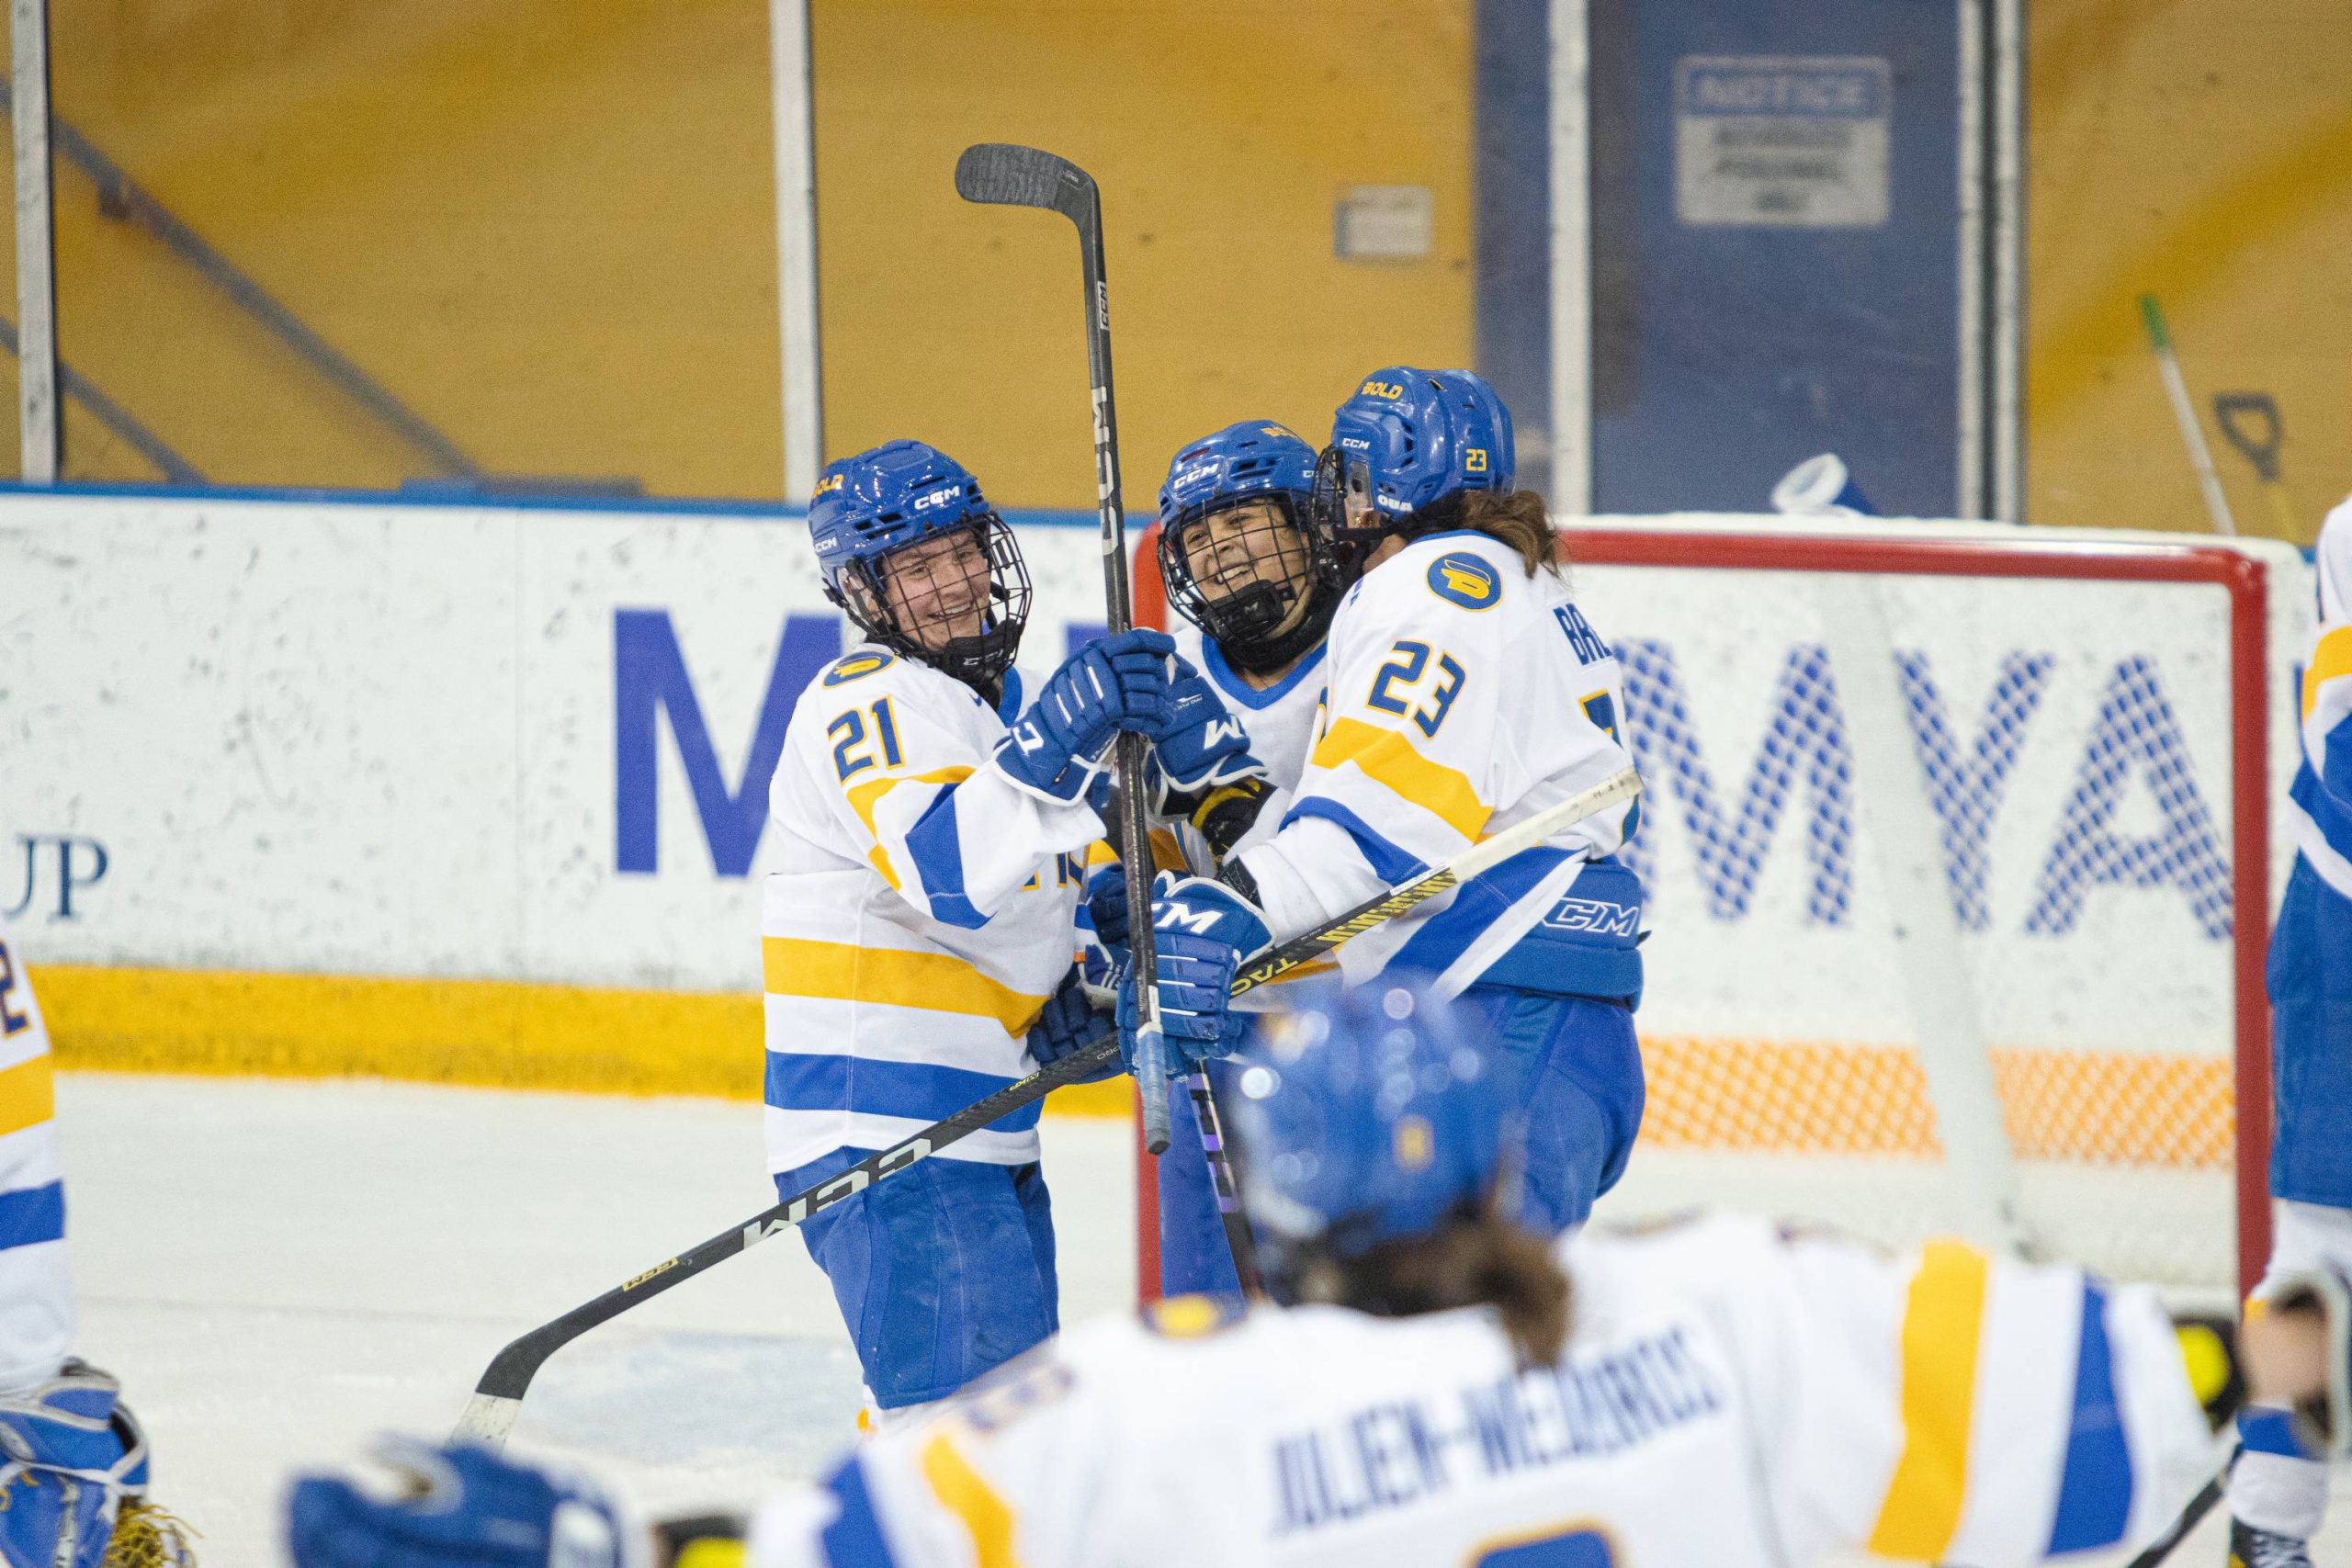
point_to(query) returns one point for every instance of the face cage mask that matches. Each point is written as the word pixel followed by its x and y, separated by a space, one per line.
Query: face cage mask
pixel 1344 514
pixel 979 661
pixel 1243 623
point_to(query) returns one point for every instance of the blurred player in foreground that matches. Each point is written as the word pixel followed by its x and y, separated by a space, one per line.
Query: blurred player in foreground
pixel 917 931
pixel 1254 598
pixel 2277 1493
pixel 1465 692
pixel 1445 1387
pixel 72 1461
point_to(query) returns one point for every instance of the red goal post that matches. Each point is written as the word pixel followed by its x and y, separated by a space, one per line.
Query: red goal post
pixel 2091 750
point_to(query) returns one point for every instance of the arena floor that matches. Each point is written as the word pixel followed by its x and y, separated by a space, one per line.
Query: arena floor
pixel 277 1269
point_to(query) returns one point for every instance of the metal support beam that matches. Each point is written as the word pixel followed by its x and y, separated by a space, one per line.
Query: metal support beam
pixel 37 412
pixel 1571 261
pixel 796 246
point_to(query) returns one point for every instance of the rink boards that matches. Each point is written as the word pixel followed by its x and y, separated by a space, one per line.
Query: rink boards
pixel 477 793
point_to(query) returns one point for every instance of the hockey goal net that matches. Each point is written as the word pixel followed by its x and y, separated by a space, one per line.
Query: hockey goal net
pixel 1960 862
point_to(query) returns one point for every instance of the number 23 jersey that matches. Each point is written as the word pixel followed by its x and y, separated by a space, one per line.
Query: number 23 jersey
pixel 1463 696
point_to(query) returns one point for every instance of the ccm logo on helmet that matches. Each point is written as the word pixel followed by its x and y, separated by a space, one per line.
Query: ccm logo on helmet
pixel 1464 579
pixel 1388 390
pixel 938 498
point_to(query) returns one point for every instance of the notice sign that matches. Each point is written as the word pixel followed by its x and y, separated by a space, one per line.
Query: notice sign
pixel 1781 141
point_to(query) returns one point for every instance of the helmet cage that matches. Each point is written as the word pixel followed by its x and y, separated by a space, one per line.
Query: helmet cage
pixel 1246 623
pixel 979 660
pixel 1348 519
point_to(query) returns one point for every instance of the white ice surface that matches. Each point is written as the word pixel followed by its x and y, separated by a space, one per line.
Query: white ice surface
pixel 278 1270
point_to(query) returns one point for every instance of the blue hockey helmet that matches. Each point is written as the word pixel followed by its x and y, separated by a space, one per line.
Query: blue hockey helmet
pixel 1407 440
pixel 1370 1115
pixel 1256 585
pixel 914 555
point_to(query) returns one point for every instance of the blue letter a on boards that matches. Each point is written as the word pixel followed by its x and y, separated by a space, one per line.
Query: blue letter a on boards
pixel 649 677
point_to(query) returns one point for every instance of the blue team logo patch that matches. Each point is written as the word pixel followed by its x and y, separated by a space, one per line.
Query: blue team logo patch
pixel 1464 579
pixel 856 665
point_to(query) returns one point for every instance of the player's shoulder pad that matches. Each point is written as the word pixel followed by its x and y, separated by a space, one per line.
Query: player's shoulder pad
pixel 1191 1317
pixel 1451 578
pixel 1465 577
pixel 1698 1241
pixel 856 666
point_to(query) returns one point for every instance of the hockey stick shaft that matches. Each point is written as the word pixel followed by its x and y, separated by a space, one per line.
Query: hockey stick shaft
pixel 1479 858
pixel 498 1397
pixel 1005 175
pixel 2184 414
pixel 1215 1146
pixel 2190 1518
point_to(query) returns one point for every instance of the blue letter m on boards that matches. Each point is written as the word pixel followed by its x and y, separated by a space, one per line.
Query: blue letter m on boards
pixel 649 677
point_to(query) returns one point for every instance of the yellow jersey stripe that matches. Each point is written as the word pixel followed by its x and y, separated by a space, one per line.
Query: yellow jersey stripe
pixel 1388 759
pixel 28 1095
pixel 864 797
pixel 1942 1318
pixel 843 971
pixel 2331 659
pixel 963 1494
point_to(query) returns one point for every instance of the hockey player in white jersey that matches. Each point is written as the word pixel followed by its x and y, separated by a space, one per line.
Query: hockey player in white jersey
pixel 1443 1387
pixel 1253 599
pixel 72 1461
pixel 917 931
pixel 1465 692
pixel 2278 1493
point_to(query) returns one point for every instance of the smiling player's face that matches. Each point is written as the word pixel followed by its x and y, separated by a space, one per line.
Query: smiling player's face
pixel 938 590
pixel 1244 545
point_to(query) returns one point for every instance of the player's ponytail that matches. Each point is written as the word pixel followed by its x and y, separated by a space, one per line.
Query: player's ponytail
pixel 1515 517
pixel 1477 1259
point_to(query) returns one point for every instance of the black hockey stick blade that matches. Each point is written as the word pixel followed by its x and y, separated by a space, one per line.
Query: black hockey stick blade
pixel 498 1397
pixel 1006 174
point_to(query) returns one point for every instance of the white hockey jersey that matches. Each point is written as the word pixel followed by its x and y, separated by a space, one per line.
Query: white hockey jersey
pixel 1730 1397
pixel 1463 696
pixel 918 913
pixel 1281 722
pixel 36 1296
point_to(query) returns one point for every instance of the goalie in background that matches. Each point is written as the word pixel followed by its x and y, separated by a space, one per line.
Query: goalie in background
pixel 72 1461
pixel 2277 1493
pixel 1442 1386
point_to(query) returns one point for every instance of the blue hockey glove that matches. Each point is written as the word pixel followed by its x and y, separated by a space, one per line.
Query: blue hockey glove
pixel 1201 931
pixel 458 1503
pixel 72 1466
pixel 1106 904
pixel 1068 1022
pixel 1201 744
pixel 1113 683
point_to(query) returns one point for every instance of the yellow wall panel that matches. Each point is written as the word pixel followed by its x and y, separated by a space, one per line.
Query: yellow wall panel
pixel 2200 150
pixel 1221 134
pixel 546 225
pixel 549 227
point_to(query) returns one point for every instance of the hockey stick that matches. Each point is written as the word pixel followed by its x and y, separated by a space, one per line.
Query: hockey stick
pixel 2190 1518
pixel 498 1397
pixel 1007 175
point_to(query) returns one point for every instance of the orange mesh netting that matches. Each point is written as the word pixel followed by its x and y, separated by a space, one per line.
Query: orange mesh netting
pixel 2098 1107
